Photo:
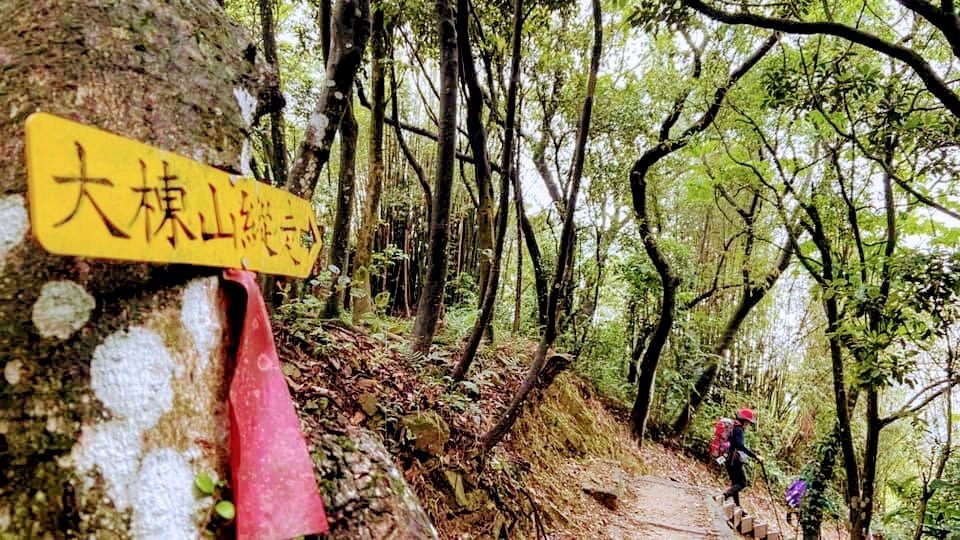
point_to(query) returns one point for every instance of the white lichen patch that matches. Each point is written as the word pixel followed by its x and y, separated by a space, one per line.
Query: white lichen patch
pixel 200 315
pixel 319 122
pixel 164 503
pixel 5 516
pixel 130 374
pixel 161 399
pixel 62 308
pixel 114 449
pixel 16 223
pixel 13 372
pixel 247 103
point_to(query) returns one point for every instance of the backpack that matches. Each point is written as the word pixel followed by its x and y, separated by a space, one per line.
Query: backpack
pixel 721 437
pixel 795 492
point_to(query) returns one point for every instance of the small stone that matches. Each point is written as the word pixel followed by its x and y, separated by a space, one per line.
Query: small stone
pixel 368 402
pixel 13 372
pixel 430 431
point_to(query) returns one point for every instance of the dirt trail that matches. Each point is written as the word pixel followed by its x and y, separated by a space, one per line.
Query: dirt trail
pixel 653 507
pixel 649 507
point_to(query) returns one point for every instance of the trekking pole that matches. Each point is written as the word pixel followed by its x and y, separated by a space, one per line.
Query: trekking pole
pixel 773 505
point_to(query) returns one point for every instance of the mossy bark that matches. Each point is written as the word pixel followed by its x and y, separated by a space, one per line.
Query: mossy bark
pixel 160 71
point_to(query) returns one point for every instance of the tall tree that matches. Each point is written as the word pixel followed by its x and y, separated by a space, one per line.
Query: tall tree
pixel 431 295
pixel 271 97
pixel 351 28
pixel 666 145
pixel 363 303
pixel 477 135
pixel 493 437
pixel 492 284
pixel 343 216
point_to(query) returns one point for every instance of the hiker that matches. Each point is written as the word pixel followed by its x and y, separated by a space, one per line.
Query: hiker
pixel 733 461
pixel 793 495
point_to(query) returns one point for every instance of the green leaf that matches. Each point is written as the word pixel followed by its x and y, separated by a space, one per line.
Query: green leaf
pixel 204 483
pixel 226 510
pixel 357 292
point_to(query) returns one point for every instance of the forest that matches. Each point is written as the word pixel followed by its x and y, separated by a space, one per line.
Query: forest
pixel 674 208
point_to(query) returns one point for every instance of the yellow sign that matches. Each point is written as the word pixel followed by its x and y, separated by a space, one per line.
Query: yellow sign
pixel 96 194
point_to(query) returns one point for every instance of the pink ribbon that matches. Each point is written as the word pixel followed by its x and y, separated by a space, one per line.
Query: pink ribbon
pixel 274 489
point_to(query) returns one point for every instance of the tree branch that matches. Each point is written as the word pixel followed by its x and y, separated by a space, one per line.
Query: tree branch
pixel 933 82
pixel 907 410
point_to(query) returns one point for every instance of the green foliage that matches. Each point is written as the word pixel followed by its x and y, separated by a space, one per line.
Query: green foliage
pixel 204 484
pixel 219 493
pixel 225 510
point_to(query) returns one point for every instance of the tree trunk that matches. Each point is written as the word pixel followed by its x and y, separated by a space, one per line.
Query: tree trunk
pixel 484 320
pixel 565 250
pixel 431 296
pixel 401 141
pixel 646 371
pixel 101 358
pixel 638 189
pixel 748 300
pixel 351 25
pixel 477 135
pixel 518 293
pixel 363 303
pixel 272 97
pixel 344 213
pixel 813 501
pixel 536 260
pixel 812 507
pixel 635 355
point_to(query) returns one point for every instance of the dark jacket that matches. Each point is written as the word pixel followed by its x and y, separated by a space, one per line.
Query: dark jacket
pixel 737 445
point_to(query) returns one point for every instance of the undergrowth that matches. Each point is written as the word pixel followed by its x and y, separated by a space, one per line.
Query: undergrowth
pixel 343 375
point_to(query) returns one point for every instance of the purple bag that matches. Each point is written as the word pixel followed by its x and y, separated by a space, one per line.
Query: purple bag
pixel 795 492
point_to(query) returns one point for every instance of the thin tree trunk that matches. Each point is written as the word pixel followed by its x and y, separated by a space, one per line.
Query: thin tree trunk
pixel 325 17
pixel 352 28
pixel 274 97
pixel 344 212
pixel 646 372
pixel 431 295
pixel 477 135
pixel 503 426
pixel 536 259
pixel 814 499
pixel 363 303
pixel 404 147
pixel 506 165
pixel 748 300
pixel 518 296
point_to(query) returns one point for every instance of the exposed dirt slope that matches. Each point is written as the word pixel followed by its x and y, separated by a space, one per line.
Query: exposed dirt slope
pixel 530 486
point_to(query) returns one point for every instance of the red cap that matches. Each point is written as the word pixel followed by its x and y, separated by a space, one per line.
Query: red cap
pixel 747 416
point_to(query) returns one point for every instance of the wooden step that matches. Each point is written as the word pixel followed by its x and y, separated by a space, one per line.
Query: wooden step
pixel 746 525
pixel 760 530
pixel 728 510
pixel 737 517
pixel 774 535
